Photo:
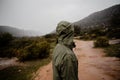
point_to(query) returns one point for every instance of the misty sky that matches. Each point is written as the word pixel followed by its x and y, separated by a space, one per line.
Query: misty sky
pixel 43 15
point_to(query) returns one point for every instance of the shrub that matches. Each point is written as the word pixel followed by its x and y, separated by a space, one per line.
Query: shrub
pixel 7 52
pixel 5 39
pixel 85 37
pixel 113 50
pixel 28 53
pixel 93 36
pixel 101 42
pixel 21 42
pixel 10 52
pixel 51 35
pixel 44 49
pixel 6 49
pixel 34 51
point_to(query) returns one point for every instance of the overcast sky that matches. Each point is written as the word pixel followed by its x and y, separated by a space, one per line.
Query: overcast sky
pixel 43 15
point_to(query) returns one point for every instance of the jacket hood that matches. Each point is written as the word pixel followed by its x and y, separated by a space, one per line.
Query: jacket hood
pixel 65 32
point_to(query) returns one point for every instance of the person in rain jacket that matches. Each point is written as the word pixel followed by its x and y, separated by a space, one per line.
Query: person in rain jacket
pixel 64 61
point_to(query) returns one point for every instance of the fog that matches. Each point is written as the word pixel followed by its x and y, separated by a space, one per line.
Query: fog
pixel 43 15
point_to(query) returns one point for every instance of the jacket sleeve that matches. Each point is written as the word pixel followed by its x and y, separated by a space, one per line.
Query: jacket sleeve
pixel 69 68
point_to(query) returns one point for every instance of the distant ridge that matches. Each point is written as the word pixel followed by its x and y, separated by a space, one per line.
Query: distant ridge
pixel 19 32
pixel 101 18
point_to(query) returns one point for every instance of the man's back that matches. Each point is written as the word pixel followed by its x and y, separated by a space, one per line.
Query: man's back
pixel 65 64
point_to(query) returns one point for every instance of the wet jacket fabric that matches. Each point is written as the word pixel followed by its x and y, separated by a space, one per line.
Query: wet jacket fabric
pixel 64 61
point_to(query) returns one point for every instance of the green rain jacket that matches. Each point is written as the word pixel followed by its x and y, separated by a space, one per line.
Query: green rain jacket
pixel 64 61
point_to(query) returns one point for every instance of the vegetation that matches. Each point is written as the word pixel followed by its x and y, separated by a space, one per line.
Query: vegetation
pixel 114 29
pixel 52 35
pixel 101 42
pixel 24 72
pixel 113 50
pixel 77 30
pixel 32 51
pixel 25 48
pixel 5 41
pixel 92 32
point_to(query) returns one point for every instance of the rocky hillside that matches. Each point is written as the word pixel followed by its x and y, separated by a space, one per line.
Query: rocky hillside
pixel 105 22
pixel 106 18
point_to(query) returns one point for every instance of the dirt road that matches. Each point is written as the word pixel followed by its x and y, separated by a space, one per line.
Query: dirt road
pixel 92 64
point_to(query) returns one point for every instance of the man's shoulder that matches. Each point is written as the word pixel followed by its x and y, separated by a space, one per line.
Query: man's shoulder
pixel 61 50
pixel 60 47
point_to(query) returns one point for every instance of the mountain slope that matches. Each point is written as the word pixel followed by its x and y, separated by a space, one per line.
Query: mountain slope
pixel 101 18
pixel 18 32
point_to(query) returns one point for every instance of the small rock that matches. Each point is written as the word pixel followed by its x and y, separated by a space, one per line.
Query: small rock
pixel 19 70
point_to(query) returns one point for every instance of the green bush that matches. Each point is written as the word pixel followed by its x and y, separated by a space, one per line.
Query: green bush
pixel 7 52
pixel 44 49
pixel 5 39
pixel 113 50
pixel 101 42
pixel 6 49
pixel 22 42
pixel 86 36
pixel 25 48
pixel 51 35
pixel 34 51
pixel 10 52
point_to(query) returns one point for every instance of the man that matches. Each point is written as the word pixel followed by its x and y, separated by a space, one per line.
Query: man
pixel 65 63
